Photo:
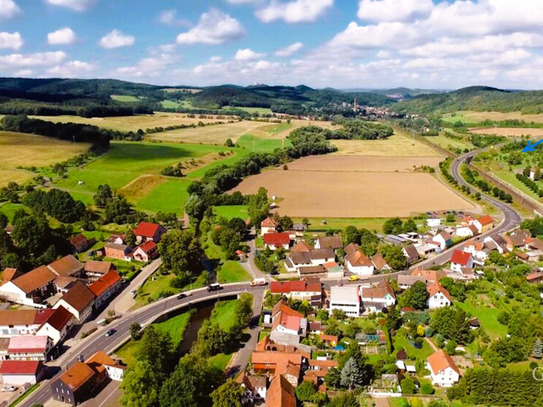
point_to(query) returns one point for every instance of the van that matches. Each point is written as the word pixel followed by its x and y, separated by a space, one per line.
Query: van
pixel 214 287
pixel 258 281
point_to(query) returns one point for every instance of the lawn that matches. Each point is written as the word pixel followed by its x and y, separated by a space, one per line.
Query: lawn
pixel 9 209
pixel 220 361
pixel 153 286
pixel 170 104
pixel 224 314
pixel 232 272
pixel 259 145
pixel 400 340
pixel 125 98
pixel 232 211
pixel 488 317
pixel 169 196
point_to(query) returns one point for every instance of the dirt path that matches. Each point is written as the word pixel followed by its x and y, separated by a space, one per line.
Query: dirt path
pixel 434 347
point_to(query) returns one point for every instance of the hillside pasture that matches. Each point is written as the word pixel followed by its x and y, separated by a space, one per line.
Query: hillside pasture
pixel 354 187
pixel 125 98
pixel 18 149
pixel 470 117
pixel 509 131
pixel 133 123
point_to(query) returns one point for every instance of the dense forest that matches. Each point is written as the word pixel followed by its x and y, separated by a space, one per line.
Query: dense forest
pixel 478 98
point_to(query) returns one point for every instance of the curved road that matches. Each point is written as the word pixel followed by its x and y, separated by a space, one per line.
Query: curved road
pixel 98 341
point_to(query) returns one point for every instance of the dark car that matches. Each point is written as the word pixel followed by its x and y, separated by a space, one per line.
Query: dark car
pixel 181 296
pixel 110 332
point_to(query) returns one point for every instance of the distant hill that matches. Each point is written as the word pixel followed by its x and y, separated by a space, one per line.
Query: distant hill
pixel 477 98
pixel 398 93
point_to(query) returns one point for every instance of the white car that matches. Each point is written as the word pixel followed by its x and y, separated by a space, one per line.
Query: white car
pixel 9 388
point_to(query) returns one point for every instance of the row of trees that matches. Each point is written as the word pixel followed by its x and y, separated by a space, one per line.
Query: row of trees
pixel 530 184
pixel 56 203
pixel 472 177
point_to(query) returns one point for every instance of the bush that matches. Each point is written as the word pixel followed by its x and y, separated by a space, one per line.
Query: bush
pixel 426 388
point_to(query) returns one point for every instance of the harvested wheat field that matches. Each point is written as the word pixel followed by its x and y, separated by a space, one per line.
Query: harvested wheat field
pixel 476 117
pixel 510 131
pixel 133 123
pixel 358 163
pixel 353 187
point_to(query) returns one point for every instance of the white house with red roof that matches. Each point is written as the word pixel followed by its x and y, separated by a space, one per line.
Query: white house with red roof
pixel 443 370
pixel 276 240
pixel 29 347
pixel 483 223
pixel 461 259
pixel 443 238
pixel 20 372
pixel 268 225
pixel 288 325
pixel 466 231
pixel 145 251
pixel 147 231
pixel 105 287
pixel 378 296
pixel 302 290
pixel 438 296
pixel 345 298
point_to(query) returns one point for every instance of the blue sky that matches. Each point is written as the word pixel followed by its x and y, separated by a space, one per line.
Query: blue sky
pixel 337 43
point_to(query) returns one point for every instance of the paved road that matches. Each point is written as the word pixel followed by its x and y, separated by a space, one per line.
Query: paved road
pixel 250 265
pixel 145 315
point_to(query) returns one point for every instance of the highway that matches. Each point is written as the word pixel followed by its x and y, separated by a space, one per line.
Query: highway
pixel 97 341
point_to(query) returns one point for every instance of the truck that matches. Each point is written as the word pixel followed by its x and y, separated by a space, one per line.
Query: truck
pixel 258 281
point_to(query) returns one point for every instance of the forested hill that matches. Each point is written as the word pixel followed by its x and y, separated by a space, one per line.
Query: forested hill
pixel 478 98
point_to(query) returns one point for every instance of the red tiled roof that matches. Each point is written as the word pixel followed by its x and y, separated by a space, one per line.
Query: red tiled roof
pixel 79 296
pixel 66 266
pixel 485 220
pixel 460 257
pixel 100 267
pixel 20 367
pixel 435 288
pixel 59 318
pixel 147 246
pixel 286 287
pixel 277 239
pixel 34 279
pixel 9 274
pixel 79 240
pixel 104 283
pixel 268 223
pixel 77 375
pixel 28 344
pixel 146 229
pixel 280 393
pixel 302 247
pixel 439 361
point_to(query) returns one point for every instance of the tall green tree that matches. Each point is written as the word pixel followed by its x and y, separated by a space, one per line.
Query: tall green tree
pixel 415 296
pixel 140 386
pixel 230 394
pixel 181 252
pixel 103 195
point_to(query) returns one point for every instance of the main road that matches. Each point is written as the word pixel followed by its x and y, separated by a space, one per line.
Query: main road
pixel 143 316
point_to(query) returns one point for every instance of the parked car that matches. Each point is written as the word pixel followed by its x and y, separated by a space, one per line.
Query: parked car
pixel 353 278
pixel 110 332
pixel 9 388
pixel 259 281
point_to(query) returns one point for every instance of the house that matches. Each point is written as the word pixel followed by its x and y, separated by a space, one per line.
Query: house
pixel 358 263
pixel 281 393
pixel 277 240
pixel 411 253
pixel 147 231
pixel 146 251
pixel 377 297
pixel 119 239
pixel 29 347
pixel 57 325
pixel 330 340
pixel 96 269
pixel 532 173
pixel 444 240
pixel 329 242
pixel 433 222
pixel 255 386
pixel 466 231
pixel 479 250
pixel 438 296
pixel 405 280
pixel 287 325
pixel 63 284
pixel 299 227
pixel 10 274
pixel 20 372
pixel 311 271
pixel 430 275
pixel 443 370
pixel 31 288
pixel 516 239
pixel 105 288
pixel 4 344
pixel 68 266
pixel 379 262
pixel 461 259
pixel 535 277
pixel 275 361
pixel 18 322
pixel 268 225
pixel 301 247
pixel 303 290
pixel 321 256
pixel 318 368
pixel 100 359
pixel 483 223
pixel 345 298
pixel 79 301
pixel 296 260
pixel 496 242
pixel 80 243
pixel 117 251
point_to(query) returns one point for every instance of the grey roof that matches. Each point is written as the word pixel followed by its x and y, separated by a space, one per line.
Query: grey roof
pixel 318 254
pixel 407 279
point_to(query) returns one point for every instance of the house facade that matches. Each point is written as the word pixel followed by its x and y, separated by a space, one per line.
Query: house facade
pixel 443 370
pixel 438 296
pixel 377 297
pixel 147 231
pixel 345 298
pixel 461 259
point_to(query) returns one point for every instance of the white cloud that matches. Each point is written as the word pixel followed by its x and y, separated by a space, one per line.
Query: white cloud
pixel 214 27
pixel 8 9
pixel 116 39
pixel 290 50
pixel 298 11
pixel 393 10
pixel 11 40
pixel 150 67
pixel 63 36
pixel 215 59
pixel 235 2
pixel 167 47
pixel 24 72
pixel 76 5
pixel 169 17
pixel 71 69
pixel 247 55
pixel 32 60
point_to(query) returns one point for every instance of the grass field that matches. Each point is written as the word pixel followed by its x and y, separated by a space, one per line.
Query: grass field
pixel 351 187
pixel 400 340
pixel 316 225
pixel 232 272
pixel 259 110
pixel 232 211
pixel 220 361
pixel 170 104
pixel 9 209
pixel 125 98
pixel 17 149
pixel 510 132
pixel 131 123
pixel 470 117
pixel 400 144
pixel 488 317
pixel 224 314
pixel 448 143
pixel 167 197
